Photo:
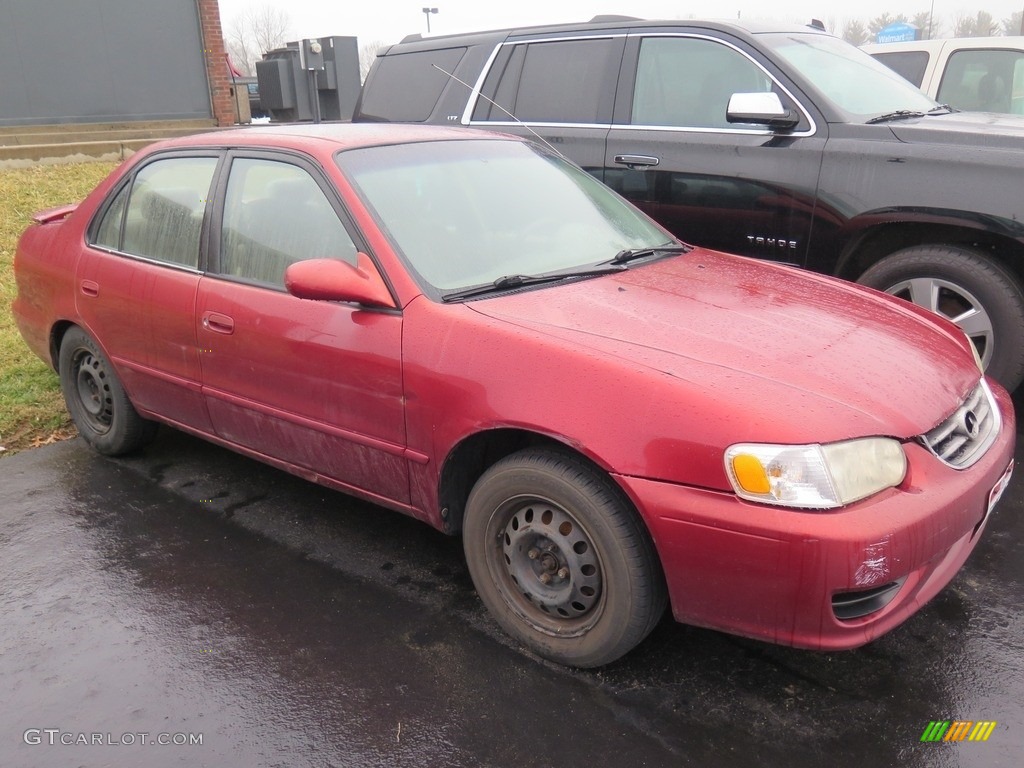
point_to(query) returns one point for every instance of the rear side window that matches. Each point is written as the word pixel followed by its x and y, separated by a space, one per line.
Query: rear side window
pixel 910 64
pixel 984 80
pixel 406 86
pixel 160 214
pixel 570 81
pixel 108 235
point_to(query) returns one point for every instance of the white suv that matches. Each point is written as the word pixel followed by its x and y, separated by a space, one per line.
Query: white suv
pixel 977 74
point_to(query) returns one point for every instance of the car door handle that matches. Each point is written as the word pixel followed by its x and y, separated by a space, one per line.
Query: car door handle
pixel 90 288
pixel 218 323
pixel 637 162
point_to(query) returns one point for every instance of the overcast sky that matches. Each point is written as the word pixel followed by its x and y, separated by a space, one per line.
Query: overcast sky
pixel 390 20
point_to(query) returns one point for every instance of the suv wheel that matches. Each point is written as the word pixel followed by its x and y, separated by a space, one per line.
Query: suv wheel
pixel 962 285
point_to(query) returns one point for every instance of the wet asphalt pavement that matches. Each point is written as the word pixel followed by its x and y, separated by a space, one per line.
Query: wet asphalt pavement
pixel 191 594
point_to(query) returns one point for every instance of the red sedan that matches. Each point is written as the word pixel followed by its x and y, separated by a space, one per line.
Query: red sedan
pixel 468 329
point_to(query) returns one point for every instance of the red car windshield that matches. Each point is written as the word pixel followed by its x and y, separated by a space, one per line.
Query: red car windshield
pixel 466 213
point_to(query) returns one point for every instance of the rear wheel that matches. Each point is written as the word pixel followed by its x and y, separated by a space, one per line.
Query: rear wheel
pixel 97 402
pixel 561 559
pixel 962 285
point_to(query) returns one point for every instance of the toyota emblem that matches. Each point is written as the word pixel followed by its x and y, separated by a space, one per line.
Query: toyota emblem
pixel 971 424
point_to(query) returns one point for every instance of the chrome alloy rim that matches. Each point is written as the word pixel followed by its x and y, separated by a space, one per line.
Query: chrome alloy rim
pixel 956 304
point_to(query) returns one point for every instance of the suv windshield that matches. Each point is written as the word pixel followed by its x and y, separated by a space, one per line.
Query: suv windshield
pixel 468 213
pixel 852 80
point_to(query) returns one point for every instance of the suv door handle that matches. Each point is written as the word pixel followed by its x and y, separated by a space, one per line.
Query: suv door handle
pixel 637 162
pixel 218 323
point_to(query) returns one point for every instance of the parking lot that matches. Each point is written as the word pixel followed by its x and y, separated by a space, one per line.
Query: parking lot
pixel 191 592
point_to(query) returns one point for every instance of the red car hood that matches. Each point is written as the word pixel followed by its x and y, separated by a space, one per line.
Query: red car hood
pixel 794 346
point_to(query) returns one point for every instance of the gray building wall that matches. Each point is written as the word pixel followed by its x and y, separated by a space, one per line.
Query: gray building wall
pixel 64 61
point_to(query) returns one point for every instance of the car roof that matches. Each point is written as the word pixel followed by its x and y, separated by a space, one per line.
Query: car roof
pixel 329 136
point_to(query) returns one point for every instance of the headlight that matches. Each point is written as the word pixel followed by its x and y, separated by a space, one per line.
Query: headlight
pixel 815 476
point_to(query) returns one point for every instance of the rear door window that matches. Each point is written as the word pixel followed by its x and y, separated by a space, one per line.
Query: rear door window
pixel 565 81
pixel 163 217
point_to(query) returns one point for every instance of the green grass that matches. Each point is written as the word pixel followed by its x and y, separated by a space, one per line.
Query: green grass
pixel 31 408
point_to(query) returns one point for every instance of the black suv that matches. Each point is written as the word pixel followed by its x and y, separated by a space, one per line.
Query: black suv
pixel 785 144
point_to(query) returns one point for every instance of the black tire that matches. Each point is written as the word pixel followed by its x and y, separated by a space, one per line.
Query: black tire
pixel 979 294
pixel 97 402
pixel 542 514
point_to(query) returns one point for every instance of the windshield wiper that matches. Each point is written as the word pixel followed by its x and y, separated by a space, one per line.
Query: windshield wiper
pixel 632 254
pixel 942 109
pixel 899 114
pixel 507 282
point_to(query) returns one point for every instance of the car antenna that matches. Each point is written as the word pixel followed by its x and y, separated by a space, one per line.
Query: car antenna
pixel 496 104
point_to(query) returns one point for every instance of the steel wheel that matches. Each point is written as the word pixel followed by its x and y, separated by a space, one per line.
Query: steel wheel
pixel 552 571
pixel 93 390
pixel 561 559
pixel 97 402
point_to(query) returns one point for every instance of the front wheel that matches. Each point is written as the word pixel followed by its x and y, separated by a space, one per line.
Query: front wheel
pixel 97 402
pixel 561 559
pixel 978 294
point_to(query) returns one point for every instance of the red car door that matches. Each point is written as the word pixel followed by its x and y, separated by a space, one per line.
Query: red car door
pixel 315 384
pixel 137 281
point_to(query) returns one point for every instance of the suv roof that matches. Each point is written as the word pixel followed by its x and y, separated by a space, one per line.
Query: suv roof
pixel 604 22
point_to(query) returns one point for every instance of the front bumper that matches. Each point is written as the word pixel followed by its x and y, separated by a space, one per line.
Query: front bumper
pixel 783 575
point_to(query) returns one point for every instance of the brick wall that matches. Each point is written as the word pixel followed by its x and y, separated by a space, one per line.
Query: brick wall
pixel 216 62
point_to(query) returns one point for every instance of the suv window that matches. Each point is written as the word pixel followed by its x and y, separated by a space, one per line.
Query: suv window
pixel 910 64
pixel 687 82
pixel 569 81
pixel 274 215
pixel 164 216
pixel 984 80
pixel 407 86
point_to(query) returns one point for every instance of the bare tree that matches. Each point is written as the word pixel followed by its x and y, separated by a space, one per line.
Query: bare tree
pixel 255 31
pixel 930 26
pixel 854 32
pixel 367 53
pixel 981 25
pixel 1014 25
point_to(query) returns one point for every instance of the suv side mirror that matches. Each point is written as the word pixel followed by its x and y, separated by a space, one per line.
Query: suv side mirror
pixel 760 108
pixel 337 280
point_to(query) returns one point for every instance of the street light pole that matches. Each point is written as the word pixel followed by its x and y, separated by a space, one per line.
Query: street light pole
pixel 931 15
pixel 427 12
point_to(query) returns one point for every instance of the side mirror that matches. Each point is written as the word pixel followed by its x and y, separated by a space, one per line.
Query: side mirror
pixel 761 109
pixel 337 280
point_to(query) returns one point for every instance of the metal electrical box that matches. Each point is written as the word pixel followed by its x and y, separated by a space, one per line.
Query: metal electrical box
pixel 310 80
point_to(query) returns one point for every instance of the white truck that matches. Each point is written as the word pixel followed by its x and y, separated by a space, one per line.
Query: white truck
pixel 975 74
